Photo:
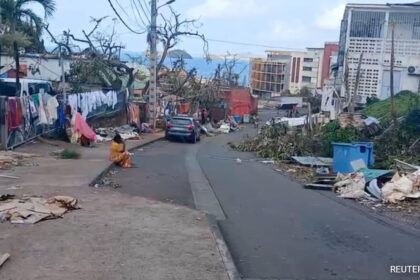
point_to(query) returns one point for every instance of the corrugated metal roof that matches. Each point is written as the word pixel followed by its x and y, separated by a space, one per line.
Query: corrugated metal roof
pixel 314 161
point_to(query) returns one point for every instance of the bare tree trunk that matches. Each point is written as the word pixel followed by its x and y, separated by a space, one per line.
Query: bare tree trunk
pixel 356 86
pixel 393 113
pixel 346 80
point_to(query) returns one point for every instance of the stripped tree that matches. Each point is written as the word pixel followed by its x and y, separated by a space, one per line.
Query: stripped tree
pixel 95 55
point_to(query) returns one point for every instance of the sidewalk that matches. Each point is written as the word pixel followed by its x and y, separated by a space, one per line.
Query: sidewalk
pixel 114 236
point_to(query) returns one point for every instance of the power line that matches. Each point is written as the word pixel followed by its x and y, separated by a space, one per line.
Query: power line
pixel 121 19
pixel 246 44
pixel 138 13
pixel 144 9
pixel 122 9
pixel 146 5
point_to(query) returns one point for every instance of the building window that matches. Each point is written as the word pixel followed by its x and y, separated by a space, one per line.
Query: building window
pixel 308 59
pixel 306 79
pixel 306 68
pixel 366 24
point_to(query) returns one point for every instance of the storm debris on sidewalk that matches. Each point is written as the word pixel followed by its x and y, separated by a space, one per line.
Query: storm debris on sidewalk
pixel 127 132
pixel 278 143
pixel 108 180
pixel 351 186
pixel 361 184
pixel 402 187
pixel 13 159
pixel 31 210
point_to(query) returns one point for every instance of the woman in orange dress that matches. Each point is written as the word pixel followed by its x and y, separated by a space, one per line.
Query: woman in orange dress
pixel 117 153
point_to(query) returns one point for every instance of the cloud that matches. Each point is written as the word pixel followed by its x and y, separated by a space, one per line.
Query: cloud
pixel 221 9
pixel 290 32
pixel 330 19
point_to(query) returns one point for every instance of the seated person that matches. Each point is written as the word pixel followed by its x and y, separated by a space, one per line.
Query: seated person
pixel 118 154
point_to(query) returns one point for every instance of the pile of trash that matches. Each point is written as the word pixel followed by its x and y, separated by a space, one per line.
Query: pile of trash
pixel 126 131
pixel 31 210
pixel 223 126
pixel 398 188
pixel 276 143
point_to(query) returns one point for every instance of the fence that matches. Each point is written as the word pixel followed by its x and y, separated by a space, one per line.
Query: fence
pixel 23 119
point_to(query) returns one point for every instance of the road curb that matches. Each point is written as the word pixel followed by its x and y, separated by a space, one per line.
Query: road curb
pixel 109 167
pixel 223 249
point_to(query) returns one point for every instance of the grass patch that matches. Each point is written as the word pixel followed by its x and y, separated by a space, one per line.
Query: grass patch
pixel 69 154
pixel 405 102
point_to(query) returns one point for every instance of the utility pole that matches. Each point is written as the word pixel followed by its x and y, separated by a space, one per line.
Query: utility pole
pixel 17 64
pixel 63 77
pixel 391 82
pixel 356 86
pixel 153 62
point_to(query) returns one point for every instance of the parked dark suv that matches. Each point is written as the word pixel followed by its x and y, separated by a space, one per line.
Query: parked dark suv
pixel 184 128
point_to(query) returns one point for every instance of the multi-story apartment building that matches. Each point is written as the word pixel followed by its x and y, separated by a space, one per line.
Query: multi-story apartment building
pixel 367 29
pixel 328 60
pixel 268 76
pixel 286 71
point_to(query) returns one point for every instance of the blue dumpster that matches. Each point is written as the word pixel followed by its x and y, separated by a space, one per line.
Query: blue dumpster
pixel 345 153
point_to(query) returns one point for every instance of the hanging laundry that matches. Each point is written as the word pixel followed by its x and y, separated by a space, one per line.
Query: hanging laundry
pixel 72 100
pixel 14 115
pixel 82 128
pixel 41 111
pixel 52 105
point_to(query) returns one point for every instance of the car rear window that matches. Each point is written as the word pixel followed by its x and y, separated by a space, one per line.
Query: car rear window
pixel 181 121
pixel 7 89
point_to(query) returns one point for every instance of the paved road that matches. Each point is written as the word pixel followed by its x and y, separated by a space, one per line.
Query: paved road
pixel 274 228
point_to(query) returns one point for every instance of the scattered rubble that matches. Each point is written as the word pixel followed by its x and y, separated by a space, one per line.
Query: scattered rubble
pixel 126 131
pixel 31 210
pixel 9 159
pixel 108 180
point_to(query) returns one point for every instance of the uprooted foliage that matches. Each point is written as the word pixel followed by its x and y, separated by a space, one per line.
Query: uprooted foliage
pixel 276 142
pixel 401 142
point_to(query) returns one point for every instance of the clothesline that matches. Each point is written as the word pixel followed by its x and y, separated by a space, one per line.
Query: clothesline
pixel 88 102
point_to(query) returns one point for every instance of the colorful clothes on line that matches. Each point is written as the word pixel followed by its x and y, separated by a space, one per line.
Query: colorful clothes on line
pixel 14 114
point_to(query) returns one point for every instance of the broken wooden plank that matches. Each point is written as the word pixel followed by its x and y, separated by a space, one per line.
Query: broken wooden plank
pixel 322 187
pixel 4 258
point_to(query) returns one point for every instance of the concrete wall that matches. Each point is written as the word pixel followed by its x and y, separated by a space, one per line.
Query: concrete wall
pixel 34 67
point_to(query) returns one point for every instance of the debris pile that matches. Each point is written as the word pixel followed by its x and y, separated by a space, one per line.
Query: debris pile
pixel 126 132
pixel 276 143
pixel 357 185
pixel 402 187
pixel 31 210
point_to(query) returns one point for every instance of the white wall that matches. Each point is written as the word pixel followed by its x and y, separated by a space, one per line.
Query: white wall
pixel 49 69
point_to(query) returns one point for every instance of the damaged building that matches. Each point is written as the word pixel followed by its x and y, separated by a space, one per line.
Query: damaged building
pixel 367 29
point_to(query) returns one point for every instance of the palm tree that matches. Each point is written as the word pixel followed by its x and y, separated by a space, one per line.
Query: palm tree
pixel 23 24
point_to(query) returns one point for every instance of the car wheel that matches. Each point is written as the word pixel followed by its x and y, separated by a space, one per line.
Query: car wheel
pixel 194 138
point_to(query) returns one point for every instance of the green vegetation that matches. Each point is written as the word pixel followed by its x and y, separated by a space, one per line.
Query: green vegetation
pixel 332 132
pixel 24 26
pixel 405 101
pixel 69 154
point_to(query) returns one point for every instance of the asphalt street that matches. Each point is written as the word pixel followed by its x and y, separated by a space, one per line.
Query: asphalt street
pixel 274 228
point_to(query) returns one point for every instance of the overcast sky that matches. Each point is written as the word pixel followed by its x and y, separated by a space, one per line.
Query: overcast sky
pixel 279 24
